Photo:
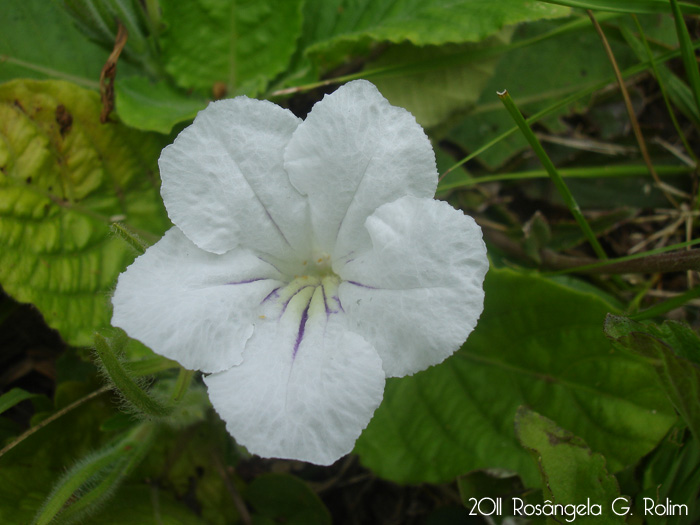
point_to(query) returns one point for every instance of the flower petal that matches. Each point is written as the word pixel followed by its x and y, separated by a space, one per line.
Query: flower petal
pixel 418 293
pixel 306 389
pixel 353 153
pixel 191 305
pixel 224 182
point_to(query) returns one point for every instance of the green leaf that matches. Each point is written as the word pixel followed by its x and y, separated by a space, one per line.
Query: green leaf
pixel 667 348
pixel 38 40
pixel 539 344
pixel 14 397
pixel 680 337
pixel 64 178
pixel 571 473
pixel 284 498
pixel 154 107
pixel 447 78
pixel 336 28
pixel 240 43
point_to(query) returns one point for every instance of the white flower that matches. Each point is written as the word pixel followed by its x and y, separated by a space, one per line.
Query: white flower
pixel 309 262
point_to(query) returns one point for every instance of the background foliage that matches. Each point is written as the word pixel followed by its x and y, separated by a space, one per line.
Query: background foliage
pixel 582 379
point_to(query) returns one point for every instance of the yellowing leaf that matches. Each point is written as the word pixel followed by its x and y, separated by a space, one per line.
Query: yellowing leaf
pixel 64 178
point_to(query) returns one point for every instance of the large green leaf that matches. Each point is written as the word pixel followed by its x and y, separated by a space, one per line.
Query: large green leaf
pixel 437 81
pixel 538 344
pixel 241 43
pixel 672 349
pixel 333 28
pixel 38 40
pixel 336 30
pixel 64 177
pixel 571 473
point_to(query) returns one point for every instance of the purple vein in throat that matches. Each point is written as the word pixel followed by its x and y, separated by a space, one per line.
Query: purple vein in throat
pixel 302 327
pixel 325 301
pixel 362 285
pixel 273 293
pixel 286 303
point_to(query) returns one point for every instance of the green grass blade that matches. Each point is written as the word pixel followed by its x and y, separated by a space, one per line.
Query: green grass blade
pixel 642 49
pixel 553 174
pixel 565 102
pixel 593 172
pixel 671 304
pixel 689 62
pixel 636 128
